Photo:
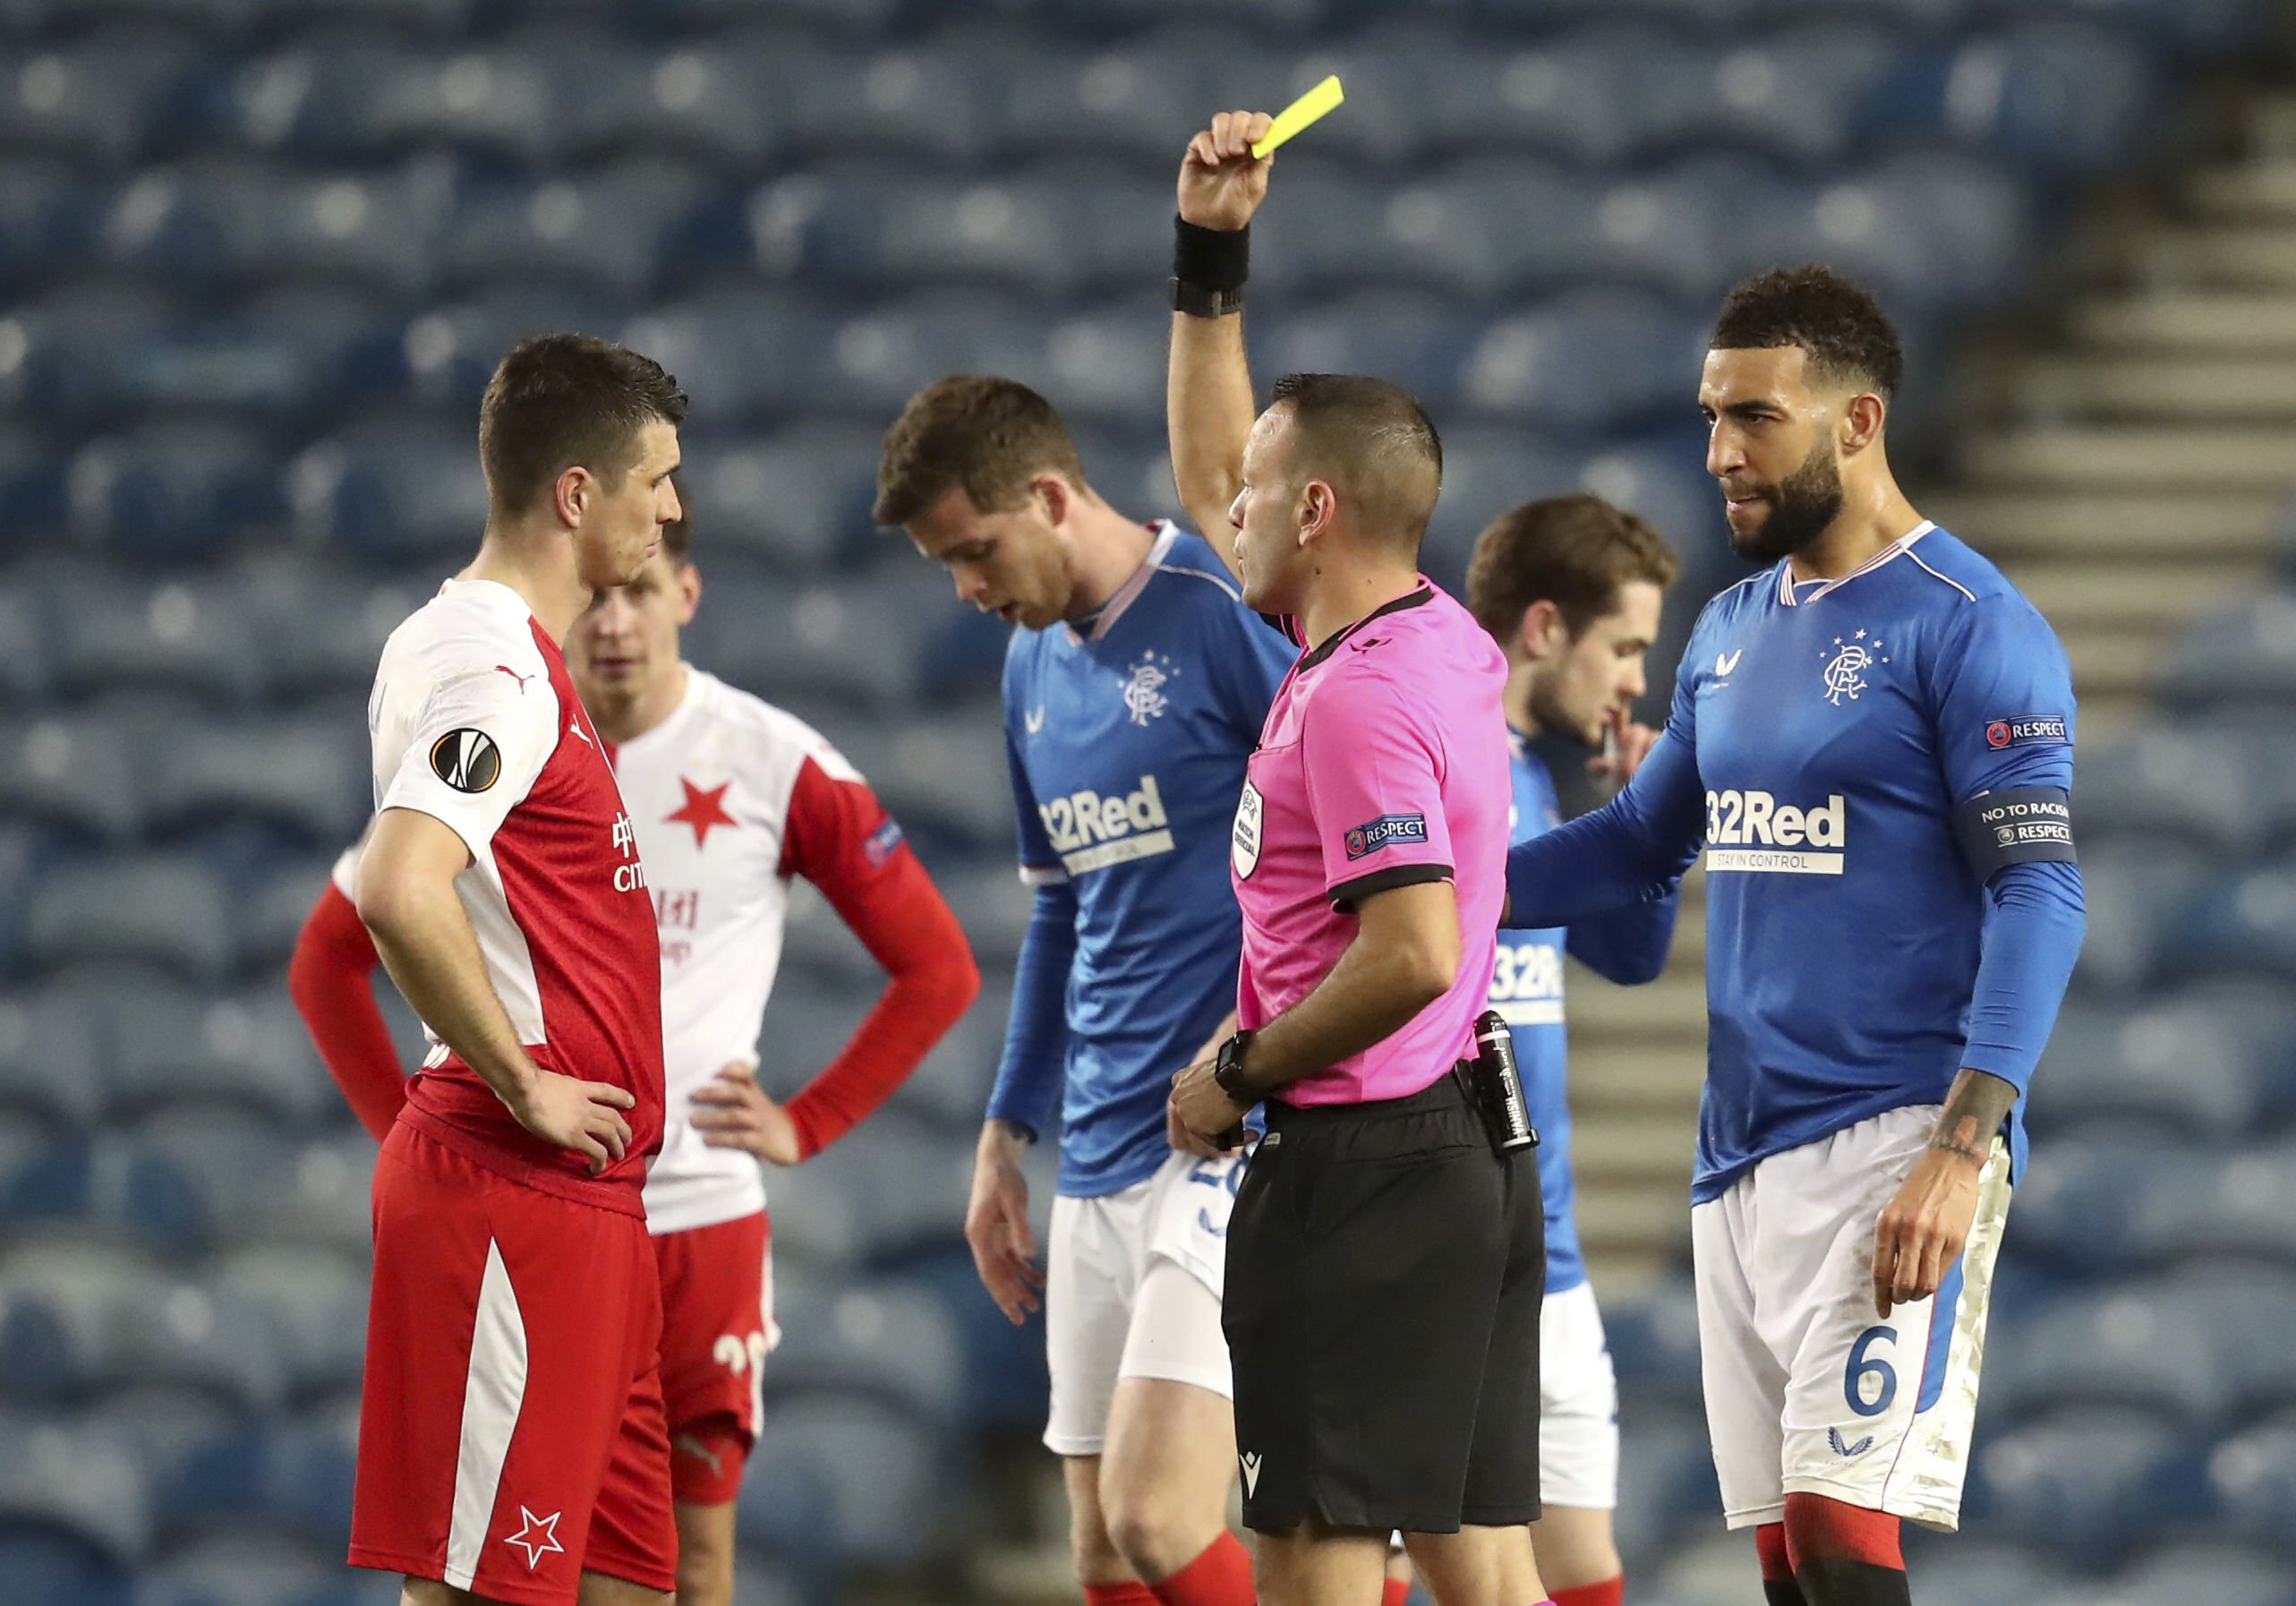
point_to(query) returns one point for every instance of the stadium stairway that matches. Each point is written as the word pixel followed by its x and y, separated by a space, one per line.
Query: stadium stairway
pixel 2125 450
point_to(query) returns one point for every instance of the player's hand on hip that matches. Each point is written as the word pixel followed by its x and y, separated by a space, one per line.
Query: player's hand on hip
pixel 1221 183
pixel 586 1116
pixel 1921 1232
pixel 996 1225
pixel 733 1112
pixel 1201 1106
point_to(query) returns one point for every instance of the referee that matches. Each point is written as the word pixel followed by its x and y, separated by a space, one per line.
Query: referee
pixel 1386 1261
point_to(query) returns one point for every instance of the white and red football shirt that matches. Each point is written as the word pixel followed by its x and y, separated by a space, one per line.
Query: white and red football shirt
pixel 732 797
pixel 475 722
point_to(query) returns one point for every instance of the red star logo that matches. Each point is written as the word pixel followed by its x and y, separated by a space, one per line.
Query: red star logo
pixel 704 809
pixel 538 1537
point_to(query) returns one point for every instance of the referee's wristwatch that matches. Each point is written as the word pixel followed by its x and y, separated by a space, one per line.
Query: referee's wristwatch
pixel 1227 1071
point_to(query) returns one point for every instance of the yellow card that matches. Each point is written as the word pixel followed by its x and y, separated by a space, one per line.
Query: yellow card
pixel 1307 110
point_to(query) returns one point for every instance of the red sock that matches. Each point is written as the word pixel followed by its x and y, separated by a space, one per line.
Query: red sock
pixel 1395 1592
pixel 1130 1592
pixel 1818 1529
pixel 1220 1576
pixel 1609 1591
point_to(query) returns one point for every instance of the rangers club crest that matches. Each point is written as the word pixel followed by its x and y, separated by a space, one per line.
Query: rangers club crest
pixel 1844 671
pixel 1144 698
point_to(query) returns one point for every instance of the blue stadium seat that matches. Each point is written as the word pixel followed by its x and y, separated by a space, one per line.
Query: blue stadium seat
pixel 117 635
pixel 196 1335
pixel 442 357
pixel 1973 1571
pixel 920 103
pixel 2085 1483
pixel 799 498
pixel 1924 230
pixel 277 359
pixel 953 1085
pixel 47 1568
pixel 106 1186
pixel 309 779
pixel 1600 96
pixel 895 1183
pixel 2173 781
pixel 174 490
pixel 2218 1060
pixel 65 1479
pixel 1672 229
pixel 1108 363
pixel 78 342
pixel 886 1478
pixel 322 633
pixel 317 1300
pixel 272 913
pixel 948 779
pixel 2243 925
pixel 2107 1202
pixel 165 911
pixel 782 640
pixel 1488 470
pixel 1665 1472
pixel 394 490
pixel 1592 360
pixel 1796 94
pixel 882 1339
pixel 739 354
pixel 368 98
pixel 888 230
pixel 603 231
pixel 243 1570
pixel 34 495
pixel 51 1059
pixel 108 96
pixel 715 98
pixel 261 1183
pixel 42 1360
pixel 2239 659
pixel 991 906
pixel 2201 1569
pixel 249 1053
pixel 1653 1339
pixel 2130 1345
pixel 285 1480
pixel 45 217
pixel 2137 899
pixel 1133 100
pixel 2253 1477
pixel 2054 95
pixel 1420 342
pixel 2242 1205
pixel 224 220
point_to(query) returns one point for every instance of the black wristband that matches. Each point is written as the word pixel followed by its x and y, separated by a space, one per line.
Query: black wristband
pixel 1216 259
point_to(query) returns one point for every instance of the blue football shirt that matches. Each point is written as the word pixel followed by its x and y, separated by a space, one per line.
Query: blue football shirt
pixel 1127 749
pixel 1627 946
pixel 1879 767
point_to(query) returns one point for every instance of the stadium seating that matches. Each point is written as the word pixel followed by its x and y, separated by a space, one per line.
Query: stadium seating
pixel 257 258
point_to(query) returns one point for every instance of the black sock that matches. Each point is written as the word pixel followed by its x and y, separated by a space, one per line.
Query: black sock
pixel 1837 1581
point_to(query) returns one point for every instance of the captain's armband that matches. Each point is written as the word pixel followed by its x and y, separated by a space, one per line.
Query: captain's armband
pixel 2018 825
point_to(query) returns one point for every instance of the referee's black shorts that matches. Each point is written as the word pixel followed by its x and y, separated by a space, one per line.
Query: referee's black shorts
pixel 1385 1271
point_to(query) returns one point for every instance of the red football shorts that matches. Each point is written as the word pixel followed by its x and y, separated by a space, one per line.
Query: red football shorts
pixel 717 1324
pixel 510 1430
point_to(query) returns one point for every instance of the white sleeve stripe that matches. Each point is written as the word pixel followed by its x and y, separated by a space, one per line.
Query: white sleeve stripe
pixel 1041 875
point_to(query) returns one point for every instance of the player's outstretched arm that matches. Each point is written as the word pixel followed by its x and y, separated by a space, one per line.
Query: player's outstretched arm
pixel 331 979
pixel 1208 407
pixel 406 899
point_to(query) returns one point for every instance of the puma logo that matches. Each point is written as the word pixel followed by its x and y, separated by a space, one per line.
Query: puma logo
pixel 691 1446
pixel 1251 1472
pixel 1724 663
pixel 574 728
pixel 514 675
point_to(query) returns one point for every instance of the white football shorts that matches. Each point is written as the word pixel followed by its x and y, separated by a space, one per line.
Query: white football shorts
pixel 1578 1405
pixel 1807 1390
pixel 1132 1290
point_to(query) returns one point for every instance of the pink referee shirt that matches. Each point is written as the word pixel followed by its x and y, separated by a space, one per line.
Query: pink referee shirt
pixel 1383 762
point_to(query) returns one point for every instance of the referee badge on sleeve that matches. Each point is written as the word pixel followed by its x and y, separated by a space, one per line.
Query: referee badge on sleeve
pixel 466 760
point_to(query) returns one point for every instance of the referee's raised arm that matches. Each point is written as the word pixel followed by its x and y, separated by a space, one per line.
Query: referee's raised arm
pixel 1208 409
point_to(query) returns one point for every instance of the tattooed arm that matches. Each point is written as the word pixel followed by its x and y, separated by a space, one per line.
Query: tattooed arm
pixel 1920 1234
